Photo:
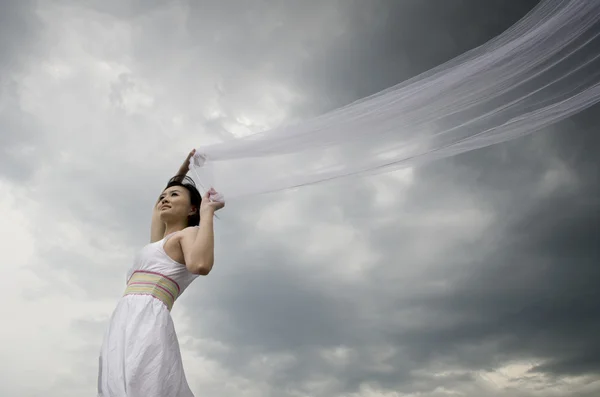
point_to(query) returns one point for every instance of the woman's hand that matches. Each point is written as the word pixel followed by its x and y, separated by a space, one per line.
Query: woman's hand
pixel 209 206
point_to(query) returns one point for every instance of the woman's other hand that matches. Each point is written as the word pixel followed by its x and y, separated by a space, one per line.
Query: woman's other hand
pixel 211 202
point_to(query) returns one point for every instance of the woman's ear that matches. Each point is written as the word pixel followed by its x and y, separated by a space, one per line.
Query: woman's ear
pixel 193 211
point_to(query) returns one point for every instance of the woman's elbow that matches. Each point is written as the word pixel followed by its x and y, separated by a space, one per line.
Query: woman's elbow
pixel 201 269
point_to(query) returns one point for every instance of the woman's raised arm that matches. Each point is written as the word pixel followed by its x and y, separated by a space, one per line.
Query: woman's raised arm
pixel 157 227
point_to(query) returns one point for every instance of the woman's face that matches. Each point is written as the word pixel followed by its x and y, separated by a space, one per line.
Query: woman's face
pixel 174 204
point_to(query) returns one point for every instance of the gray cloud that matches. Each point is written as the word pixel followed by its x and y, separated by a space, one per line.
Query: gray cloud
pixel 20 136
pixel 477 262
pixel 522 291
pixel 20 29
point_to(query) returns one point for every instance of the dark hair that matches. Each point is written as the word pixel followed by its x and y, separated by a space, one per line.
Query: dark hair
pixel 195 198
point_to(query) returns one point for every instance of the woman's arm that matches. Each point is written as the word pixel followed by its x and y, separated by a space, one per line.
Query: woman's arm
pixel 197 244
pixel 157 227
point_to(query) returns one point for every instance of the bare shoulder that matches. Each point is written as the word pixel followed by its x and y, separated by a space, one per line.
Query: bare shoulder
pixel 187 234
pixel 173 246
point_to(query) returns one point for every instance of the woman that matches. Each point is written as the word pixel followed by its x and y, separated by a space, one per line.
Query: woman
pixel 140 355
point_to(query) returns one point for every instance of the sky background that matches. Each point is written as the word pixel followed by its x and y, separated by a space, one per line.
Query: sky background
pixel 474 276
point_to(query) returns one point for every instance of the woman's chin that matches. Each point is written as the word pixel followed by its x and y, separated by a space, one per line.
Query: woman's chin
pixel 167 215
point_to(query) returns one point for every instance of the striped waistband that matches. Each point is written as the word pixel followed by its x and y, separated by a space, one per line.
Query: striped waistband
pixel 155 284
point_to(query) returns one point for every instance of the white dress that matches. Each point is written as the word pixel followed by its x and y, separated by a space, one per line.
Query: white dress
pixel 140 354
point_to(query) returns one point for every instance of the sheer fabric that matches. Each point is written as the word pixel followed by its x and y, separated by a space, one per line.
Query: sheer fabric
pixel 543 69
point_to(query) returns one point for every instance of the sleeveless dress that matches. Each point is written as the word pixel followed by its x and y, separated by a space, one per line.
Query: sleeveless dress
pixel 140 355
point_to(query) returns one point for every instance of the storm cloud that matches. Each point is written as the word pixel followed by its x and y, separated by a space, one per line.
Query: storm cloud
pixel 475 275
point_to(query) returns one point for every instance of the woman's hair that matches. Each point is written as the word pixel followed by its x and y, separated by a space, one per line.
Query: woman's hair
pixel 195 198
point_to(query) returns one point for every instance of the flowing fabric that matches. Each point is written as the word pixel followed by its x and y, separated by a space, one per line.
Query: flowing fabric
pixel 542 70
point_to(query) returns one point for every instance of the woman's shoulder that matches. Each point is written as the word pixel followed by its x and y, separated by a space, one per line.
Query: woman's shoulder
pixel 188 231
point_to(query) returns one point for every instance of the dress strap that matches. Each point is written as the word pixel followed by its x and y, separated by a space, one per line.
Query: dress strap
pixel 167 237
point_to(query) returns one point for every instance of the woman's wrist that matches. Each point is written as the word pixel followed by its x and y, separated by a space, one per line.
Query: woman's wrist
pixel 207 212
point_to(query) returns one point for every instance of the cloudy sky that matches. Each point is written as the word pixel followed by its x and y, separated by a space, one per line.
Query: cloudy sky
pixel 474 276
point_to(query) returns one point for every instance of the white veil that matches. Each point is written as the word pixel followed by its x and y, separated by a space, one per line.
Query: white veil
pixel 543 69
